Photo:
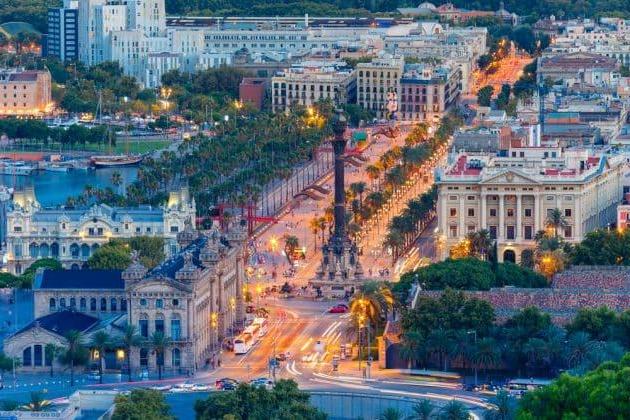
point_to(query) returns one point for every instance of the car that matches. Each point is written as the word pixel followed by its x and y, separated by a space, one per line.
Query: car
pixel 338 309
pixel 281 357
pixel 226 384
pixel 162 388
pixel 262 382
pixel 178 388
pixel 200 387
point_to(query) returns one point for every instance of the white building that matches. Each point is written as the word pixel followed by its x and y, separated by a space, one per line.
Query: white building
pixel 72 235
pixel 378 84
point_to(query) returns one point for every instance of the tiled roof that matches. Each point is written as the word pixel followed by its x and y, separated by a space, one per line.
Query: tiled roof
pixel 27 76
pixel 79 279
pixel 63 322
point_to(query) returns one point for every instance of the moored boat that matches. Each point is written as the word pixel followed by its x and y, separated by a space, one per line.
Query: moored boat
pixel 115 160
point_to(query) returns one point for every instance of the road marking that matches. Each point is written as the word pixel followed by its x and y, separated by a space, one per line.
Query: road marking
pixel 308 342
pixel 329 328
pixel 354 386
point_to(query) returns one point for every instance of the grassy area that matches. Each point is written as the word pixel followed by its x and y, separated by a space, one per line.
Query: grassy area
pixel 122 146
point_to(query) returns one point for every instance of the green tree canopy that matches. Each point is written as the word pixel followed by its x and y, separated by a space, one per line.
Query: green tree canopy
pixel 116 254
pixel 601 394
pixel 141 404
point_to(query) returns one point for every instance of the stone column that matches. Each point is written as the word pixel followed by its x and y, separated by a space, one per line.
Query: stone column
pixel 518 214
pixel 501 229
pixel 240 301
pixel 483 210
pixel 577 217
pixel 462 216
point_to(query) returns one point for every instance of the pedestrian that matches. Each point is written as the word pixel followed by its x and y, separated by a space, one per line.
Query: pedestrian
pixel 219 362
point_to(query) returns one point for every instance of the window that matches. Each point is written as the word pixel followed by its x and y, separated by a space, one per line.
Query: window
pixel 510 212
pixel 82 304
pixel 73 302
pixel 177 358
pixel 471 212
pixel 174 229
pixel 471 228
pixel 26 356
pixel 493 212
pixel 93 304
pixel 159 303
pixel 159 325
pixel 175 329
pixel 143 302
pixel 528 232
pixel 175 302
pixel 143 326
pixel 453 212
pixel 52 304
pixel 453 231
pixel 567 212
pixel 103 304
pixel 568 232
pixel 37 355
pixel 510 232
pixel 144 357
pixel 62 302
pixel 528 212
pixel 123 304
pixel 113 305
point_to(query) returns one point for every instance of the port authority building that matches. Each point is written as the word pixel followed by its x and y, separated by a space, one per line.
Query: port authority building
pixel 73 234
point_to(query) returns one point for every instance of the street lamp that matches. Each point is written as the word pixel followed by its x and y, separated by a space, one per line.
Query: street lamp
pixel 474 332
pixel 214 324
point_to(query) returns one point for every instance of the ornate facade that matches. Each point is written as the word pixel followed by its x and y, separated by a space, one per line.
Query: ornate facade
pixel 72 234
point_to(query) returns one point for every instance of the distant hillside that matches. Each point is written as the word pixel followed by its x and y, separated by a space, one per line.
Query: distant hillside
pixel 32 11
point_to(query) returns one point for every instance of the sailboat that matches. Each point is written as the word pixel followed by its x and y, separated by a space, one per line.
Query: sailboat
pixel 108 161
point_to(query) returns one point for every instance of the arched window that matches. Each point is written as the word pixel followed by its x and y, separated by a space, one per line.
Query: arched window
pixel 144 357
pixel 123 304
pixel 73 302
pixel 54 249
pixel 62 302
pixel 159 323
pixel 159 303
pixel 44 250
pixel 74 250
pixel 82 304
pixel 93 304
pixel 103 304
pixel 33 250
pixel 38 359
pixel 143 325
pixel 52 303
pixel 26 357
pixel 176 327
pixel 113 305
pixel 177 358
pixel 85 251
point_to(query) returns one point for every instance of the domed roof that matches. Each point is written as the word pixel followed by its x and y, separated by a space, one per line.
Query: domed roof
pixel 427 5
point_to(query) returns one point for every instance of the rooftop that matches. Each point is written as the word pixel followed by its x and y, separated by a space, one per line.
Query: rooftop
pixel 79 279
pixel 63 322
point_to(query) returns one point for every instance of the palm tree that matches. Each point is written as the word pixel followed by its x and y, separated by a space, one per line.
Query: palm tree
pixel 37 403
pixel 100 343
pixel 358 188
pixel 439 342
pixel 391 413
pixel 130 339
pixel 486 353
pixel 314 226
pixel 395 241
pixel 461 347
pixel 51 351
pixel 422 410
pixel 555 220
pixel 291 244
pixel 159 342
pixel 503 407
pixel 413 348
pixel 580 345
pixel 480 243
pixel 75 353
pixel 373 173
pixel 454 410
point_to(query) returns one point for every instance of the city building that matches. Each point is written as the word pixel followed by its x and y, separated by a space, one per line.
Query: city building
pixel 378 85
pixel 62 40
pixel 511 196
pixel 252 91
pixel 309 82
pixel 427 92
pixel 449 12
pixel 25 92
pixel 580 68
pixel 195 298
pixel 72 234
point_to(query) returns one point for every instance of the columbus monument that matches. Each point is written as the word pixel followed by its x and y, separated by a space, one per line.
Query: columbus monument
pixel 339 272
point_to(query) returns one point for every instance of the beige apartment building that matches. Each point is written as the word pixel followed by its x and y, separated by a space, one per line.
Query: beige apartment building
pixel 512 196
pixel 311 82
pixel 378 85
pixel 25 92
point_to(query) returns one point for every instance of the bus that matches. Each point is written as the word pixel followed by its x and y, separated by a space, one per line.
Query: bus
pixel 253 331
pixel 243 343
pixel 262 326
pixel 518 387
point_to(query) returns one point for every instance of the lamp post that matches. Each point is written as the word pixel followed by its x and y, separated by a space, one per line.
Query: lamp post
pixel 214 324
pixel 474 332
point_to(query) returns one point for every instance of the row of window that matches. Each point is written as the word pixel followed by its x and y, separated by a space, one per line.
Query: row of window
pixel 510 212
pixel 115 305
pixel 375 73
pixel 158 327
pixel 158 303
pixel 510 231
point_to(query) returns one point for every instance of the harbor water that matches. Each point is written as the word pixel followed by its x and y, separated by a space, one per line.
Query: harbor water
pixel 54 188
